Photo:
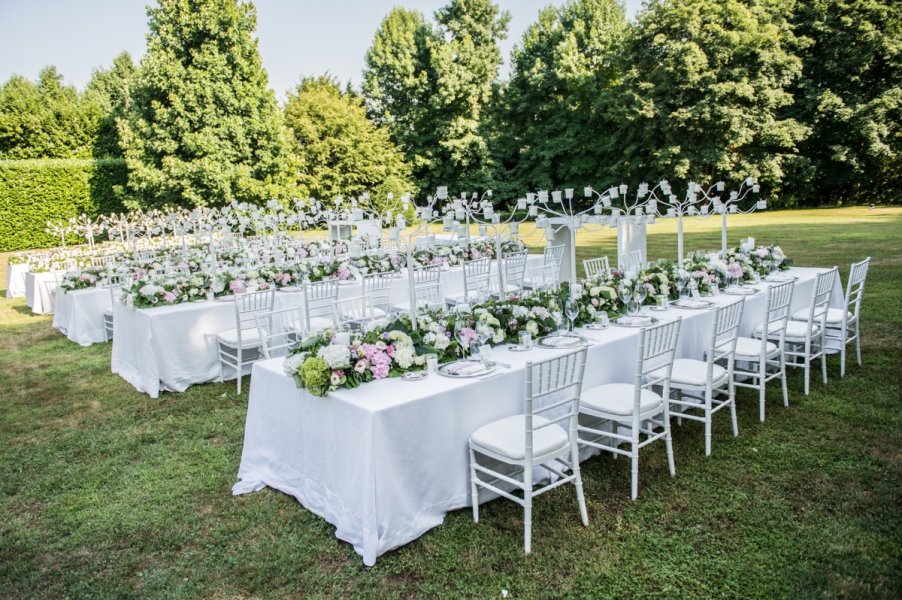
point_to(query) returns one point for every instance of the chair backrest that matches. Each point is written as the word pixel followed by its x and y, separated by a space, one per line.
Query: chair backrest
pixel 779 301
pixel 319 300
pixel 377 287
pixel 427 285
pixel 596 266
pixel 115 283
pixel 514 267
pixel 102 261
pixel 724 335
pixel 657 349
pixel 278 330
pixel 553 387
pixel 476 278
pixel 855 287
pixel 633 261
pixel 247 305
pixel 820 298
pixel 356 309
pixel 554 255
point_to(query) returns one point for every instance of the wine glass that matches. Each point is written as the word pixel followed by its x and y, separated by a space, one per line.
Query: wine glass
pixel 778 260
pixel 640 294
pixel 680 286
pixel 626 294
pixel 571 309
pixel 482 335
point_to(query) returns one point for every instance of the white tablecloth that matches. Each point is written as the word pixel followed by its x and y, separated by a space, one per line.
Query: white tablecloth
pixel 386 461
pixel 78 314
pixel 173 347
pixel 15 280
pixel 37 297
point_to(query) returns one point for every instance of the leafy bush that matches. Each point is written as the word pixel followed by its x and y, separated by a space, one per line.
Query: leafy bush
pixel 33 192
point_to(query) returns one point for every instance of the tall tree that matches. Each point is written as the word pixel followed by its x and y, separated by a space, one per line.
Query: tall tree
pixel 850 94
pixel 45 119
pixel 704 90
pixel 553 127
pixel 338 150
pixel 399 82
pixel 203 127
pixel 432 84
pixel 109 92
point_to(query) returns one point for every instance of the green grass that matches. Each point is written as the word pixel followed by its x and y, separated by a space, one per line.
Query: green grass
pixel 105 492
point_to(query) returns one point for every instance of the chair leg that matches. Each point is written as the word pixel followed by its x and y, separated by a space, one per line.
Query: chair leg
pixel 708 419
pixel 238 368
pixel 219 352
pixel 823 361
pixel 858 345
pixel 842 358
pixel 807 367
pixel 527 509
pixel 668 444
pixel 635 471
pixel 474 489
pixel 580 496
pixel 762 373
pixel 733 418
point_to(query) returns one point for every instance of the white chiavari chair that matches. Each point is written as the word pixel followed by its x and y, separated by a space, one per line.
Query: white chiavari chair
pixel 114 284
pixel 476 280
pixel 636 405
pixel 279 330
pixel 514 270
pixel 377 287
pixel 707 385
pixel 240 346
pixel 319 305
pixel 549 273
pixel 760 360
pixel 426 289
pixel 354 311
pixel 103 261
pixel 544 435
pixel 596 266
pixel 843 324
pixel 804 340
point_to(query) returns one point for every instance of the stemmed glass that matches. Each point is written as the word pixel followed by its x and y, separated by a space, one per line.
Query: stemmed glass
pixel 482 335
pixel 626 294
pixel 680 286
pixel 571 309
pixel 777 260
pixel 640 294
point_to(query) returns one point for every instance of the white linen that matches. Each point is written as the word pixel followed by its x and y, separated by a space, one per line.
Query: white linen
pixel 385 462
pixel 37 296
pixel 78 314
pixel 173 347
pixel 15 280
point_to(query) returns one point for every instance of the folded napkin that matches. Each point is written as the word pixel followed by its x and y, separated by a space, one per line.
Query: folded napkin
pixel 627 320
pixel 562 341
pixel 465 368
pixel 692 303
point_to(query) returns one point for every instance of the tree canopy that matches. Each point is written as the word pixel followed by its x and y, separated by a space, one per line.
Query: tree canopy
pixel 338 151
pixel 203 128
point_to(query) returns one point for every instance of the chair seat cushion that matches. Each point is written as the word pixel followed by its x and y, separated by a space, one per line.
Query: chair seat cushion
pixel 250 338
pixel 691 372
pixel 834 315
pixel 507 437
pixel 618 399
pixel 794 329
pixel 750 349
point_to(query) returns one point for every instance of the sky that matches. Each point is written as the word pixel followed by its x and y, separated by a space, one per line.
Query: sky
pixel 297 38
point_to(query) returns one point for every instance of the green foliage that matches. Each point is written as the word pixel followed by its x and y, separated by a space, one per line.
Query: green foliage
pixel 705 87
pixel 108 91
pixel 850 94
pixel 431 85
pixel 552 125
pixel 33 192
pixel 203 128
pixel 337 149
pixel 46 119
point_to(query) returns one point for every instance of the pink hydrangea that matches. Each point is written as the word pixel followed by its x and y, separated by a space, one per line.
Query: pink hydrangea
pixel 343 273
pixel 169 297
pixel 237 286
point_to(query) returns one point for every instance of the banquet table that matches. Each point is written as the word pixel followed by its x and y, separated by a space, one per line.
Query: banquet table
pixel 37 296
pixel 78 314
pixel 169 348
pixel 384 462
pixel 15 280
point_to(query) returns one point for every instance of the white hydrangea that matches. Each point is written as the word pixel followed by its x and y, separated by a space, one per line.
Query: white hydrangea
pixel 337 356
pixel 520 311
pixel 532 328
pixel 404 355
pixel 292 363
pixel 441 341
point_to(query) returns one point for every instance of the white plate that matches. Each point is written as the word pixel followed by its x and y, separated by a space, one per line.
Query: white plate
pixel 741 291
pixel 660 308
pixel 415 376
pixel 562 342
pixel 463 369
pixel 635 321
pixel 518 348
pixel 695 305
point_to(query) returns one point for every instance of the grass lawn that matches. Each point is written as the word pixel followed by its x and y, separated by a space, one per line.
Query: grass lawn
pixel 105 492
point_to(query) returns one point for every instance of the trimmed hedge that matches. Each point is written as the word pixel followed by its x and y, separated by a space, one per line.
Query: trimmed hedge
pixel 33 192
